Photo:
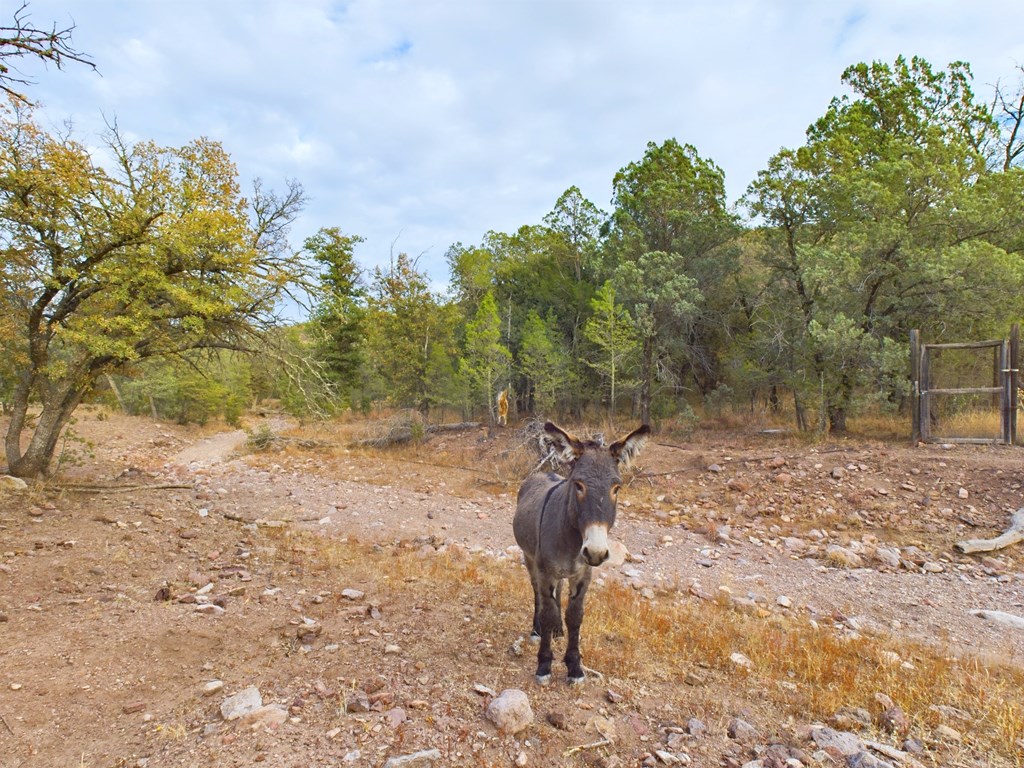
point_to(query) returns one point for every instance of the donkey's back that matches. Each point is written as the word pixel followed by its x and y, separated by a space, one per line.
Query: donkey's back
pixel 534 491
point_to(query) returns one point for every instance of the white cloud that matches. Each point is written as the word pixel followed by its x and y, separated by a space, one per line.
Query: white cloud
pixel 435 122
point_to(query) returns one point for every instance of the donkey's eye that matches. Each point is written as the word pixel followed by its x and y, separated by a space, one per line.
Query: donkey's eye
pixel 581 489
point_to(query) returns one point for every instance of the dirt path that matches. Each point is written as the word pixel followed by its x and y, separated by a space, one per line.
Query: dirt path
pixel 120 606
pixel 334 499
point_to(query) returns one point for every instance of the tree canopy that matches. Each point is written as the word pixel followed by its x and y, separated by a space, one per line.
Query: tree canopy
pixel 153 253
pixel 900 209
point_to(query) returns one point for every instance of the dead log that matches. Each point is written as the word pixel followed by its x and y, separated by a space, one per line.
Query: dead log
pixel 404 435
pixel 1000 617
pixel 1011 535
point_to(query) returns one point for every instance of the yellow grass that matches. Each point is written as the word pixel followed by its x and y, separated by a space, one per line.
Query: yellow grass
pixel 798 670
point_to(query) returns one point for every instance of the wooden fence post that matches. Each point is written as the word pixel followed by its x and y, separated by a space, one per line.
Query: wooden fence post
pixel 915 386
pixel 1014 380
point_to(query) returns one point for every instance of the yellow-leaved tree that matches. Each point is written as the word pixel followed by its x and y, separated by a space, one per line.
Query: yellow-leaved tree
pixel 114 256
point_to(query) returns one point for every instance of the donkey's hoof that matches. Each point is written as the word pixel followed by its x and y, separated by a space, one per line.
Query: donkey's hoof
pixel 574 681
pixel 543 680
pixel 534 638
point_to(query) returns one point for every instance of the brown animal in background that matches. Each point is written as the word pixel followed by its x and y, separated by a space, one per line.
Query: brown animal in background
pixel 503 407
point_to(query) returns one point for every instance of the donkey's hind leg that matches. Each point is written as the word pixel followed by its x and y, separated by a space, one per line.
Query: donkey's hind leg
pixel 550 617
pixel 535 629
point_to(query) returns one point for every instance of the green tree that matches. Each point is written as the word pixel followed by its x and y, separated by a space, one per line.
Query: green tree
pixel 671 218
pixel 544 361
pixel 663 301
pixel 610 330
pixel 340 313
pixel 885 220
pixel 405 320
pixel 105 265
pixel 487 362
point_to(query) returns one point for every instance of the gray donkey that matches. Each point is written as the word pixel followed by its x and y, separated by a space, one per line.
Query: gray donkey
pixel 562 525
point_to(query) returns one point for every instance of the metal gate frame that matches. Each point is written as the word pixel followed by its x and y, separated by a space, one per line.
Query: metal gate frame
pixel 1004 387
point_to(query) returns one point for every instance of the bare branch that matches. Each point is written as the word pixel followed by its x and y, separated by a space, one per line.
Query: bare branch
pixel 25 40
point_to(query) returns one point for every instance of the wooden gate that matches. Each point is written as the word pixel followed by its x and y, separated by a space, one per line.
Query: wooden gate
pixel 1003 390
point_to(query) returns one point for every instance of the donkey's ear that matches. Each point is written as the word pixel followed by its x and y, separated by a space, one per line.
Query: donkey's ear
pixel 629 447
pixel 566 447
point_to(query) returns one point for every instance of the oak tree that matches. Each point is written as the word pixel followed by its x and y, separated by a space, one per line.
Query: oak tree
pixel 104 262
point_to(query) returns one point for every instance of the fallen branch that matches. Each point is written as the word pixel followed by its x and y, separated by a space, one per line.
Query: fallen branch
pixel 595 745
pixel 1000 617
pixel 595 673
pixel 125 488
pixel 8 727
pixel 1011 535
pixel 406 434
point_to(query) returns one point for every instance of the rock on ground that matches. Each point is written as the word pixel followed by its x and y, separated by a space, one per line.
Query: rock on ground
pixel 240 704
pixel 511 711
pixel 422 757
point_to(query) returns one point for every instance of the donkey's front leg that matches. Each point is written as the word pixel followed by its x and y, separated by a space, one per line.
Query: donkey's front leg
pixel 538 597
pixel 550 618
pixel 574 620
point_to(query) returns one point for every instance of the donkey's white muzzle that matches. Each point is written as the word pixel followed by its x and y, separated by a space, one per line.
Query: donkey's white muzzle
pixel 595 544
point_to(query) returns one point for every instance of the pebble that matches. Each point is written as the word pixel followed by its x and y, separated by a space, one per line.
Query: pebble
pixel 742 731
pixel 888 556
pixel 358 701
pixel 866 760
pixel 783 601
pixel 271 716
pixel 212 687
pixel 843 556
pixel 669 758
pixel 842 741
pixel 557 720
pixel 352 594
pixel 740 660
pixel 210 609
pixel 894 720
pixel 945 733
pixel 396 716
pixel 245 702
pixel 416 758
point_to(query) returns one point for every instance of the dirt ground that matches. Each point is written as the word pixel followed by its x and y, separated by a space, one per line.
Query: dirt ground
pixel 158 564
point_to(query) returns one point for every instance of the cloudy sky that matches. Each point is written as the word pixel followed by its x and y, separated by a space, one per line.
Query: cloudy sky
pixel 417 124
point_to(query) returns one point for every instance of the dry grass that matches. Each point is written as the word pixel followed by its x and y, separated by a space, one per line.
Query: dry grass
pixel 798 670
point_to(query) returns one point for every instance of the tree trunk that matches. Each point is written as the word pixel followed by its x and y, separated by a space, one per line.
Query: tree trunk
pixel 801 415
pixel 646 384
pixel 838 406
pixel 836 419
pixel 58 406
pixel 117 392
